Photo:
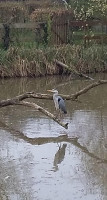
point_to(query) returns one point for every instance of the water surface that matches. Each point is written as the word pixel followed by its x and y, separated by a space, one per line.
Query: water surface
pixel 40 160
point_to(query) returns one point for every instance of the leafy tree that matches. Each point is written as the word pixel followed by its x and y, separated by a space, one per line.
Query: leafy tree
pixel 89 9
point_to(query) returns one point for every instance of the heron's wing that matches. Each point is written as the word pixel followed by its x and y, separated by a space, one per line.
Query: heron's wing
pixel 61 104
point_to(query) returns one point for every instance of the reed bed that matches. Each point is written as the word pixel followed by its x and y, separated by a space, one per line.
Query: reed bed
pixel 32 62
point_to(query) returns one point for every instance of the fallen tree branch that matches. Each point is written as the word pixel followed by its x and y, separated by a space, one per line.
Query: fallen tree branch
pixel 21 97
pixel 39 108
pixel 86 89
pixel 18 101
pixel 59 63
pixel 50 97
pixel 72 97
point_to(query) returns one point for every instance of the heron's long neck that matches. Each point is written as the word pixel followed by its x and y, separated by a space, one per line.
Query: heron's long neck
pixel 55 98
pixel 55 95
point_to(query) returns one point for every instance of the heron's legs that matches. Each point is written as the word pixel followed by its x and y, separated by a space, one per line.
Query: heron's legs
pixel 59 114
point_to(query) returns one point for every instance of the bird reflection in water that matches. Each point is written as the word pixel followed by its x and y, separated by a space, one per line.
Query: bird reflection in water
pixel 59 156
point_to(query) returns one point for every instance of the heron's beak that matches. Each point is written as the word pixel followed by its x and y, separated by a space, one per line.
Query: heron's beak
pixel 49 90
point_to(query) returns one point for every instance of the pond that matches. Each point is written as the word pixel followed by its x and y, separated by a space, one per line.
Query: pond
pixel 40 160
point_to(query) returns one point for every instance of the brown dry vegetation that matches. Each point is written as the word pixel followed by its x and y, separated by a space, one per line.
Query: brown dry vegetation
pixel 35 62
pixel 23 61
pixel 21 10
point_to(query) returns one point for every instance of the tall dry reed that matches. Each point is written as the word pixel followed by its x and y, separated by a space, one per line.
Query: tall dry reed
pixel 20 62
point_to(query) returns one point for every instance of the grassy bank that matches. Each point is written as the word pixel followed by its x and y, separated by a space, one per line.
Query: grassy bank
pixel 32 62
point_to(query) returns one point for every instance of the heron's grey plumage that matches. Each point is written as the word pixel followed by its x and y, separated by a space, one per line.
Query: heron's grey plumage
pixel 59 102
pixel 62 104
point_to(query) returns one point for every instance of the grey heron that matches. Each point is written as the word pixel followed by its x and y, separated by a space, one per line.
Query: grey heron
pixel 58 101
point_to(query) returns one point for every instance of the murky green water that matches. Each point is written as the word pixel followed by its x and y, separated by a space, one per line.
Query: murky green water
pixel 40 160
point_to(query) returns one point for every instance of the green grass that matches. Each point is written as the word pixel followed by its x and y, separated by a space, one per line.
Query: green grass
pixel 23 38
pixel 27 38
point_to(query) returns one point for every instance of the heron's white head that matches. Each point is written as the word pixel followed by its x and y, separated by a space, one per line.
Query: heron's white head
pixel 53 91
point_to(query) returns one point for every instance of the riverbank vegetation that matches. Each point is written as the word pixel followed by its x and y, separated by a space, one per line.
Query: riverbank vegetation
pixel 32 52
pixel 20 62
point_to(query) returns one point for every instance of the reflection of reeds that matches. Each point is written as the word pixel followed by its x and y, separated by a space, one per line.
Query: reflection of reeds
pixel 34 62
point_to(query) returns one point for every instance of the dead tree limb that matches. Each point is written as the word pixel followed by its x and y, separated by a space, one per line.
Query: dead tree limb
pixel 72 97
pixel 86 89
pixel 61 64
pixel 21 97
pixel 41 109
pixel 18 101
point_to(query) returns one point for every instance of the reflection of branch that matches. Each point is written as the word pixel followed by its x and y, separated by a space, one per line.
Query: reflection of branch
pixel 45 140
pixel 33 141
pixel 85 150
